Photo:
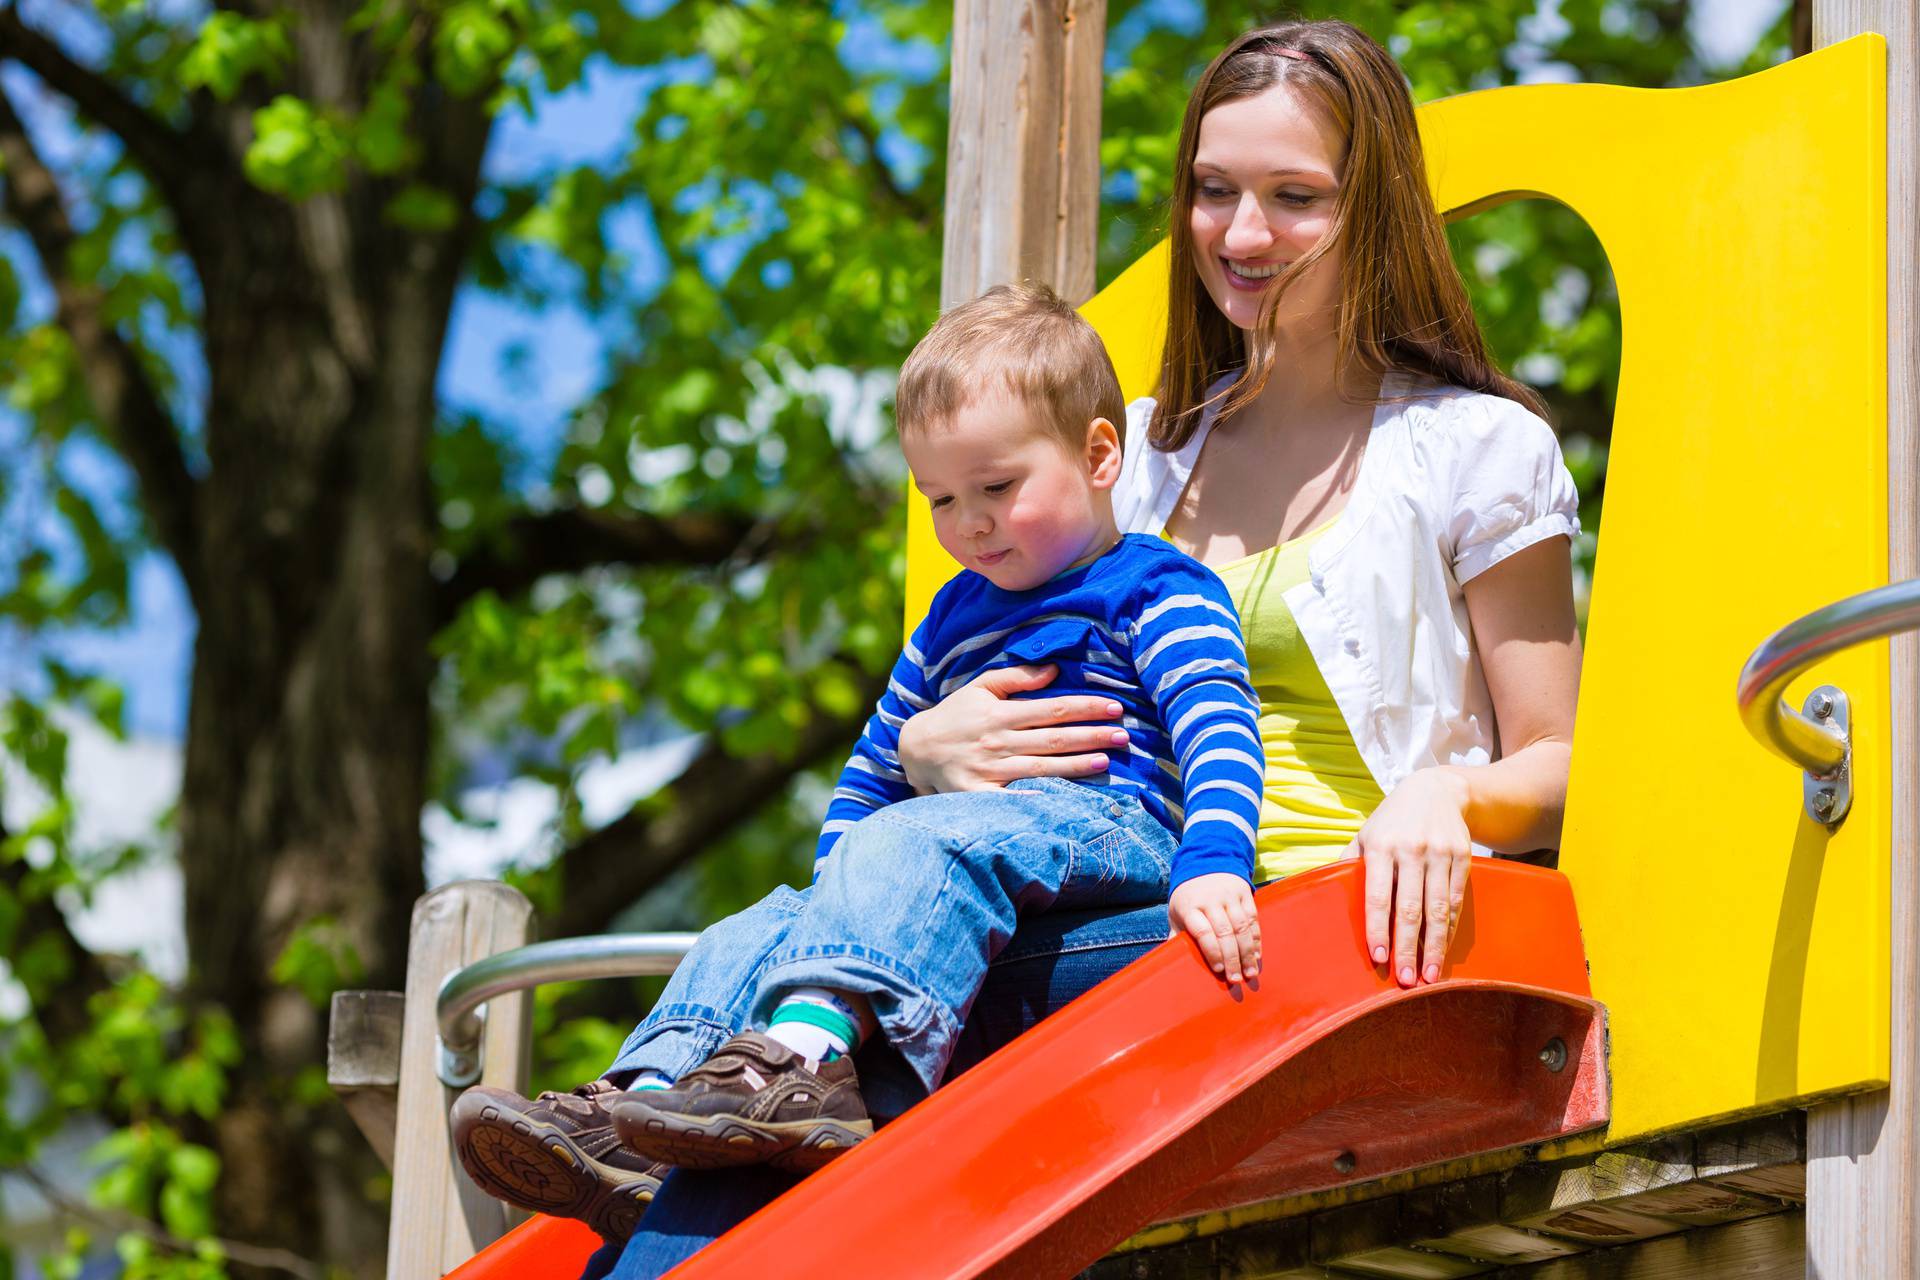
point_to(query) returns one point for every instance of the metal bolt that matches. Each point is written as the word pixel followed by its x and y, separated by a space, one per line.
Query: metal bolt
pixel 1823 803
pixel 1554 1054
pixel 1821 706
pixel 1344 1162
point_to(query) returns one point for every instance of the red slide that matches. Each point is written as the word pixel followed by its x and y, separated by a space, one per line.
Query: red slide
pixel 1162 1094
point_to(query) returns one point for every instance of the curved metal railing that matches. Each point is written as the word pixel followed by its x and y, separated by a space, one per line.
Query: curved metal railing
pixel 461 1005
pixel 1818 737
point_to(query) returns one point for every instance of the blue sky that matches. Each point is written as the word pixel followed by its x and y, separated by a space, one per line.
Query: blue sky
pixel 558 352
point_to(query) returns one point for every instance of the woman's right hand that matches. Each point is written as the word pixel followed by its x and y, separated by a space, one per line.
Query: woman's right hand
pixel 982 737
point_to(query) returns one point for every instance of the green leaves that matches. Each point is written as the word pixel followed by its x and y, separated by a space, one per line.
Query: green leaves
pixel 418 207
pixel 232 47
pixel 471 45
pixel 297 151
pixel 318 960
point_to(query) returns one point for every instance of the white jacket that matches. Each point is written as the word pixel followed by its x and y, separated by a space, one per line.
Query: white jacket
pixel 1452 483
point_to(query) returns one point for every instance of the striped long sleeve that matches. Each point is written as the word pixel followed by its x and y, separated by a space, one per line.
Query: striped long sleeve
pixel 1145 626
pixel 872 778
pixel 1192 662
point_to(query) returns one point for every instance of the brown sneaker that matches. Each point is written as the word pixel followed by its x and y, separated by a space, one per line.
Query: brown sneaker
pixel 755 1101
pixel 556 1154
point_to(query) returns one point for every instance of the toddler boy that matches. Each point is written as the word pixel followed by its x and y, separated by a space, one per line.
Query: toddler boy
pixel 1007 413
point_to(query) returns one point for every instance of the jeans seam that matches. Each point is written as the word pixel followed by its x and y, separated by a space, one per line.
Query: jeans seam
pixel 848 950
pixel 1007 957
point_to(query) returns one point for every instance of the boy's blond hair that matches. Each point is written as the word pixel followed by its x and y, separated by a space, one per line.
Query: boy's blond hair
pixel 1023 339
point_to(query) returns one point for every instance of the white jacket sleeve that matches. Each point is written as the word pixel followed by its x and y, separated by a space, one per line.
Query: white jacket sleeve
pixel 1511 488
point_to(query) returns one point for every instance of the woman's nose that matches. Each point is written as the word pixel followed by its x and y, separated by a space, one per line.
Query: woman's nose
pixel 1248 235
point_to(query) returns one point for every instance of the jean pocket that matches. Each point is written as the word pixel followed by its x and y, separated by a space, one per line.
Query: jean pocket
pixel 1116 867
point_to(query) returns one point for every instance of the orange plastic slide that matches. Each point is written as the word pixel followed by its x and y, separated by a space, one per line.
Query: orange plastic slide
pixel 1163 1093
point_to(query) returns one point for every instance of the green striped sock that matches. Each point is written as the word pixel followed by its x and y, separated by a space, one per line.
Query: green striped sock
pixel 816 1028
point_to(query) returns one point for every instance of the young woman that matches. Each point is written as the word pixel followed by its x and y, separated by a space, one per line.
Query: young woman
pixel 1388 509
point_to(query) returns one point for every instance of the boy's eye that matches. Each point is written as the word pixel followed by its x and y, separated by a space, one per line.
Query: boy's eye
pixel 999 487
pixel 937 503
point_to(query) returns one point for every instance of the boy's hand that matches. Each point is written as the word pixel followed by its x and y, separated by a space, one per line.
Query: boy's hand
pixel 1217 909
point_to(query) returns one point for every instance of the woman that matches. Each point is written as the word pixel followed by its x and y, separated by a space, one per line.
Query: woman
pixel 1390 514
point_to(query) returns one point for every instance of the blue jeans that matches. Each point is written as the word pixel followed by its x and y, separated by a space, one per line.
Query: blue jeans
pixel 909 911
pixel 1053 959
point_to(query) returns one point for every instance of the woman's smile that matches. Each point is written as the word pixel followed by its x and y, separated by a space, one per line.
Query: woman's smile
pixel 1251 276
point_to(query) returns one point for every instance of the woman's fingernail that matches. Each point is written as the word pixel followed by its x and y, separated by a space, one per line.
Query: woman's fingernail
pixel 1433 973
pixel 1379 955
pixel 1119 737
pixel 1406 977
pixel 1114 708
pixel 1099 763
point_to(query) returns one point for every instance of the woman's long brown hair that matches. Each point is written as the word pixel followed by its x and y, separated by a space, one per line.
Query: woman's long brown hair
pixel 1402 303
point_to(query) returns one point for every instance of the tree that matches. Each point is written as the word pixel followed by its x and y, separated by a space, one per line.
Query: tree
pixel 239 288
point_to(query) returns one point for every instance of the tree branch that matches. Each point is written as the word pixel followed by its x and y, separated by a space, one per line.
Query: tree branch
pixel 155 145
pixel 128 407
pixel 247 1255
pixel 912 203
pixel 573 539
pixel 62 1013
pixel 612 868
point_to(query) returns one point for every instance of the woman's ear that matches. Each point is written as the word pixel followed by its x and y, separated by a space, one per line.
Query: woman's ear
pixel 1103 454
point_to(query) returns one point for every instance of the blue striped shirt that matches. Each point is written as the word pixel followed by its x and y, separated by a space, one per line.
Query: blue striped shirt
pixel 1145 625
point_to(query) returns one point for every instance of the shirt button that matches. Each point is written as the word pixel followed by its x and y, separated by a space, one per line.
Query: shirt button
pixel 1113 809
pixel 1352 645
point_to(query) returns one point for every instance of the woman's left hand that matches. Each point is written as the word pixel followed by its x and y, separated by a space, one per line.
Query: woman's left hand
pixel 1417 850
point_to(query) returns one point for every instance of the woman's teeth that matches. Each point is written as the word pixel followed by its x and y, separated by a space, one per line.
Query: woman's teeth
pixel 1251 272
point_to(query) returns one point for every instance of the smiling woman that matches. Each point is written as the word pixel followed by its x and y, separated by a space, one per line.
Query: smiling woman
pixel 1308 221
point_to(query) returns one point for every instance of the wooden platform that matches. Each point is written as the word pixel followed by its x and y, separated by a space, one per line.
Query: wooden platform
pixel 1723 1202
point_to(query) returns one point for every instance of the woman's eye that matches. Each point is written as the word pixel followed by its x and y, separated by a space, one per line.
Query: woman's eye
pixel 1215 193
pixel 1298 199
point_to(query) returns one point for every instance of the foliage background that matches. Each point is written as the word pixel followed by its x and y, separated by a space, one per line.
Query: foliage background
pixel 697 564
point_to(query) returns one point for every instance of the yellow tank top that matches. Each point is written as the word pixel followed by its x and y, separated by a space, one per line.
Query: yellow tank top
pixel 1318 788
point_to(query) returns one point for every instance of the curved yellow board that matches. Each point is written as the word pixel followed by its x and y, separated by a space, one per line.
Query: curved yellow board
pixel 1742 952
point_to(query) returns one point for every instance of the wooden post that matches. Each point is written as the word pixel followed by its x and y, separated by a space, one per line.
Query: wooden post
pixel 1023 146
pixel 440 1219
pixel 1863 1153
pixel 363 1062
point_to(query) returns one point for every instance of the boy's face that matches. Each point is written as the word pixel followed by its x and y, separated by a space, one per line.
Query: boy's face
pixel 1010 499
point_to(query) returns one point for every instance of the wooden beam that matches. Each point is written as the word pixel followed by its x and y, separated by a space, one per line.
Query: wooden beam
pixel 1503 1221
pixel 440 1219
pixel 363 1062
pixel 1023 146
pixel 1772 1248
pixel 1863 1153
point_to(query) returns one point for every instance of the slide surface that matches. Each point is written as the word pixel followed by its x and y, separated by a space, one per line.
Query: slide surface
pixel 1162 1093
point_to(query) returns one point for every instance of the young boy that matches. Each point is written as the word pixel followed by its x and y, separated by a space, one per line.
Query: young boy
pixel 1006 413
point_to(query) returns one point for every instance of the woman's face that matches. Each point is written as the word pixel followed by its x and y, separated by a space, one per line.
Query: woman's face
pixel 1264 178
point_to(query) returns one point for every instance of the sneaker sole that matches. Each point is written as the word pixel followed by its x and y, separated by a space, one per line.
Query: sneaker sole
pixel 727 1142
pixel 536 1166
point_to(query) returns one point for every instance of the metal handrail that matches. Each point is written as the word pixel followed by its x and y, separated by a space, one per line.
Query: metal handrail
pixel 460 1007
pixel 1818 738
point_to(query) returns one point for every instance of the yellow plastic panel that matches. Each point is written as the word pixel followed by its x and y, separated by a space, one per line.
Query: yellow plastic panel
pixel 1741 951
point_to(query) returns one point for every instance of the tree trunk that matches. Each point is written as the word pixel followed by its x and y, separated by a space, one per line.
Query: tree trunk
pixel 307 732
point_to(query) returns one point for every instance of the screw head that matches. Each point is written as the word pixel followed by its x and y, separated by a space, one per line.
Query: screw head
pixel 1821 706
pixel 1554 1054
pixel 1344 1162
pixel 1823 802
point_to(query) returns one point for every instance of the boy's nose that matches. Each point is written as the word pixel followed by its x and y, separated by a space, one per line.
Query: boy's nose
pixel 975 524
